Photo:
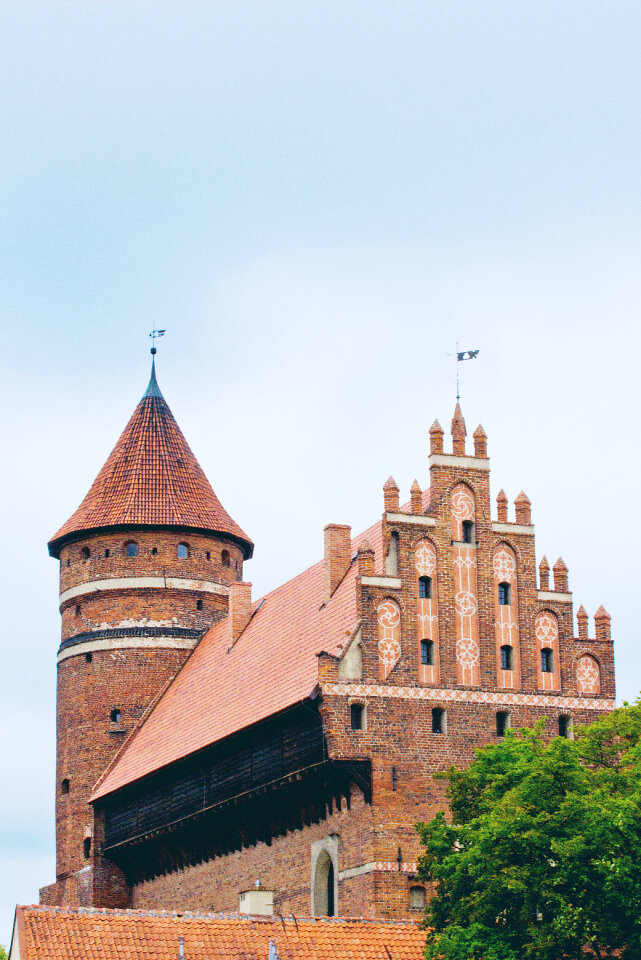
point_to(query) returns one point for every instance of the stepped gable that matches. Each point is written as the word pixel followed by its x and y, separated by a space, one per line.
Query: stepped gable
pixel 151 478
pixel 46 933
pixel 271 666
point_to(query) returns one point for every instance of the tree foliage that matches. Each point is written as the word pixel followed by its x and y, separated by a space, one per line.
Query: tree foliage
pixel 542 858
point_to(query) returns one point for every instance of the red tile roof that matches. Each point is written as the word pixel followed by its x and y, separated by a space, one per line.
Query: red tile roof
pixel 271 666
pixel 50 933
pixel 151 478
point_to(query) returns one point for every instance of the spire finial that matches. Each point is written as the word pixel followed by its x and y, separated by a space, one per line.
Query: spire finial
pixel 153 390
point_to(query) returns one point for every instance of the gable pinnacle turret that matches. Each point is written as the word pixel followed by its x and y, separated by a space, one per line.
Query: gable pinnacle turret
pixel 151 478
pixel 458 432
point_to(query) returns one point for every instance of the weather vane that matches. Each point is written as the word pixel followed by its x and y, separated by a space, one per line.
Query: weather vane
pixel 160 333
pixel 460 356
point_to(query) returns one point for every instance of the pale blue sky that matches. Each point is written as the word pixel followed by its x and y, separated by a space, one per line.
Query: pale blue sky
pixel 316 200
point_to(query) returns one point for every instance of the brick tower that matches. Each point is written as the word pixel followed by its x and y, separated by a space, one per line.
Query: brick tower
pixel 146 564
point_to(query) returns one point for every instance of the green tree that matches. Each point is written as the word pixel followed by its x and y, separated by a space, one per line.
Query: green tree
pixel 542 858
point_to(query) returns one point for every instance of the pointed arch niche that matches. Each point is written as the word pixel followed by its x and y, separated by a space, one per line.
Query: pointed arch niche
pixel 506 617
pixel 463 510
pixel 546 632
pixel 427 612
pixel 388 614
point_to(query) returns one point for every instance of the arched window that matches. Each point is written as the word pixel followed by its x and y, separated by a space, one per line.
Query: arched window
pixel 86 553
pixel 425 588
pixel 182 551
pixel 505 594
pixel 438 720
pixel 507 657
pixel 502 722
pixel 427 653
pixel 565 727
pixel 225 558
pixel 86 847
pixel 324 886
pixel 588 675
pixel 64 786
pixel 417 898
pixel 131 549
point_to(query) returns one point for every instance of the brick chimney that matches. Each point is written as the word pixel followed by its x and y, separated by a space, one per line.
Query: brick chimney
pixel 338 555
pixel 240 607
pixel 602 624
pixel 501 506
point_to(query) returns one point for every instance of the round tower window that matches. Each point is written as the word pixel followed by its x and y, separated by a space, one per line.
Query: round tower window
pixel 225 558
pixel 131 549
pixel 183 551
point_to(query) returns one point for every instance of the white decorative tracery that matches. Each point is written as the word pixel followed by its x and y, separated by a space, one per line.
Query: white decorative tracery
pixel 425 559
pixel 588 675
pixel 389 636
pixel 504 565
pixel 546 629
pixel 462 504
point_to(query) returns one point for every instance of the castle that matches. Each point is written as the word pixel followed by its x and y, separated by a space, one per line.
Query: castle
pixel 211 747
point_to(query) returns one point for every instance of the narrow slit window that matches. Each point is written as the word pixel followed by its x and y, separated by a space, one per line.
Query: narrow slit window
pixel 77 609
pixel 468 531
pixel 199 604
pixel 427 653
pixel 565 727
pixel 547 660
pixel 64 786
pixel 208 554
pixel 106 553
pixel 438 720
pixel 357 716
pixel 507 657
pixel 115 715
pixel 425 588
pixel 131 549
pixel 225 558
pixel 502 722
pixel 505 594
pixel 86 553
pixel 86 847
pixel 183 551
pixel 154 551
pixel 88 657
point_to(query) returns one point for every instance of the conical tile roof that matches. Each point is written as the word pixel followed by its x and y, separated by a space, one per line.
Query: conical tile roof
pixel 151 479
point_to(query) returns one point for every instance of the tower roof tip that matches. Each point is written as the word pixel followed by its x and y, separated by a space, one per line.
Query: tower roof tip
pixel 581 612
pixel 522 498
pixel 601 613
pixel 502 495
pixel 458 421
pixel 153 390
pixel 436 427
pixel 416 486
pixel 480 432
pixel 390 484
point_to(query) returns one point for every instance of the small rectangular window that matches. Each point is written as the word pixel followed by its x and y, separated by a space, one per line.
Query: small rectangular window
pixel 115 715
pixel 438 720
pixel 427 653
pixel 502 722
pixel 356 711
pixel 507 658
pixel 86 847
pixel 468 531
pixel 547 660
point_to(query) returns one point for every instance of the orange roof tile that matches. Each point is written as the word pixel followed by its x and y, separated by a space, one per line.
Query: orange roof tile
pixel 151 478
pixel 51 933
pixel 270 667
